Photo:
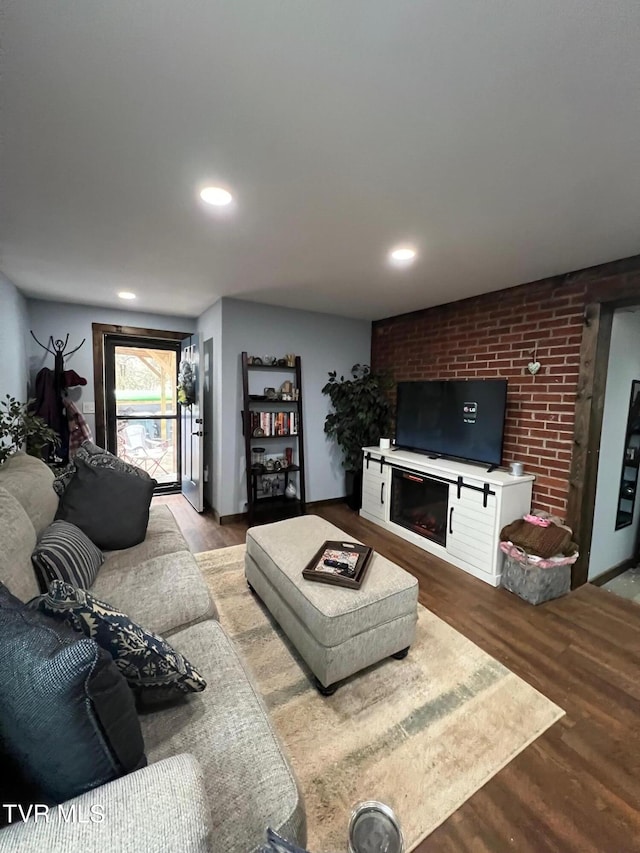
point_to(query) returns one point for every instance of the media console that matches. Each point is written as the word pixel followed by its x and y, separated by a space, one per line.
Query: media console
pixel 454 510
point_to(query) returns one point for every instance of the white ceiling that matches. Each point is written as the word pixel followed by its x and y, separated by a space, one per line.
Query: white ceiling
pixel 502 137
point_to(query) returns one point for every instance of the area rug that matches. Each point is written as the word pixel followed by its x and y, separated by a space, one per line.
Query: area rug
pixel 422 734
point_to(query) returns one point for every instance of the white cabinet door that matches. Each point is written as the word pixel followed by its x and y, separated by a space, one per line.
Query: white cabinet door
pixel 375 488
pixel 471 527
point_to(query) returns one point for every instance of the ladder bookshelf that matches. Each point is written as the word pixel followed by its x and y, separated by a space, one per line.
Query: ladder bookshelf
pixel 273 424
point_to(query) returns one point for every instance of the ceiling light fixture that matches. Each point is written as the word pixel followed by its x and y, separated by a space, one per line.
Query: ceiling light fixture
pixel 126 294
pixel 216 196
pixel 402 255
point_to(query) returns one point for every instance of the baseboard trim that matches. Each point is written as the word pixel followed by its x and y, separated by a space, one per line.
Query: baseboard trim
pixel 327 502
pixel 230 519
pixel 614 571
pixel 237 517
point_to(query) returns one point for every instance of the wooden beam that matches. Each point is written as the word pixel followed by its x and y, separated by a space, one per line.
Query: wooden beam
pixel 594 359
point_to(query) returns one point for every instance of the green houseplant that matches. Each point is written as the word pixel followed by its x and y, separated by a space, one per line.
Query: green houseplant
pixel 19 429
pixel 361 414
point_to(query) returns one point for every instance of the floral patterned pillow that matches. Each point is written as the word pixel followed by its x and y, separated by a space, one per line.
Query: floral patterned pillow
pixel 154 669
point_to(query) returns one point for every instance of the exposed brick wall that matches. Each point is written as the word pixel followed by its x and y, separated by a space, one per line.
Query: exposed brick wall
pixel 495 335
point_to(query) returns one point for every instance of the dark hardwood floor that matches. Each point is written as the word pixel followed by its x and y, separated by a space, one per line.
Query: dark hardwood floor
pixel 577 787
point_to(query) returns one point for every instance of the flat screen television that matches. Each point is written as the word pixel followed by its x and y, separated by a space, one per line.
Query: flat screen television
pixel 463 418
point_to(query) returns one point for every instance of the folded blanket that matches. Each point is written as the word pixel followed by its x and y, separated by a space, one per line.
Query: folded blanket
pixel 542 541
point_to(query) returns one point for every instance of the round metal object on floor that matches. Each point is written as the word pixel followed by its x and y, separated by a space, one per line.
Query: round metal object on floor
pixel 374 828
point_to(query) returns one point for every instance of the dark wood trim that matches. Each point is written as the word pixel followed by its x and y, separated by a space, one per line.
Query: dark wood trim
pixel 314 505
pixel 604 297
pixel 614 571
pixel 594 358
pixel 99 332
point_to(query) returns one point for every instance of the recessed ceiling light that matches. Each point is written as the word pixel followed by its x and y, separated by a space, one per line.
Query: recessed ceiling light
pixel 126 294
pixel 216 195
pixel 402 255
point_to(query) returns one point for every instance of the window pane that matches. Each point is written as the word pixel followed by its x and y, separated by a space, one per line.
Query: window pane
pixel 150 444
pixel 145 381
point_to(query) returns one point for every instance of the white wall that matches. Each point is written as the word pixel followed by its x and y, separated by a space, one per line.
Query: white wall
pixel 609 546
pixel 13 341
pixel 325 342
pixel 57 318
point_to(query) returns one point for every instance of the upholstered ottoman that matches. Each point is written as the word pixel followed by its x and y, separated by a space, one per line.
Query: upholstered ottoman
pixel 337 631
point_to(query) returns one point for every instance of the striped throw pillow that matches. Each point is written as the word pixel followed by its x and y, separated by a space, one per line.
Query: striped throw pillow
pixel 66 554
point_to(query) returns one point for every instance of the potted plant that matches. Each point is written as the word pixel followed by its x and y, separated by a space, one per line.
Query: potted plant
pixel 361 414
pixel 19 429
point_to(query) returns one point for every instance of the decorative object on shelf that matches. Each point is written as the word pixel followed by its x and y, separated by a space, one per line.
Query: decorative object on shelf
pixel 282 362
pixel 270 393
pixel 20 428
pixel 269 360
pixel 362 414
pixel 291 359
pixel 290 491
pixel 288 455
pixel 257 457
pixel 255 360
pixel 258 432
pixel 339 563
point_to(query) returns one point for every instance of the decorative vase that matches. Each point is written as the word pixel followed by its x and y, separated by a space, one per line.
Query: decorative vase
pixel 290 491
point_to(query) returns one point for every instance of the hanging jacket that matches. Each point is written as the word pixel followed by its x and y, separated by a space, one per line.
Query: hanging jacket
pixel 79 429
pixel 48 406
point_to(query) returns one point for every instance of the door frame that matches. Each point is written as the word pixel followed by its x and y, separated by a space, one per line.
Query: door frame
pixel 112 342
pixel 602 300
pixel 100 331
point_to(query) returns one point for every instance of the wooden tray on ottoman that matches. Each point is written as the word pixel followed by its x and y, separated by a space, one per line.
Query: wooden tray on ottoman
pixel 339 563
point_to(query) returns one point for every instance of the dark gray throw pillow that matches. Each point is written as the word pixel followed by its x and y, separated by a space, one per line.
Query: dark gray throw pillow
pixel 67 716
pixel 97 456
pixel 110 507
pixel 65 553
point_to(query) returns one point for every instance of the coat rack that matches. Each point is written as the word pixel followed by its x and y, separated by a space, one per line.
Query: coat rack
pixel 58 349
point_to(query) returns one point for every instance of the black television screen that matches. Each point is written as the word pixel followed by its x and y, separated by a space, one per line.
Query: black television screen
pixel 458 417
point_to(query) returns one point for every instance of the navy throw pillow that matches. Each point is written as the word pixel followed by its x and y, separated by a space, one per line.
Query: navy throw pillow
pixel 111 507
pixel 153 668
pixel 67 717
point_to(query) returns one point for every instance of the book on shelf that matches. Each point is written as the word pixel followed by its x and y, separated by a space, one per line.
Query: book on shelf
pixel 274 423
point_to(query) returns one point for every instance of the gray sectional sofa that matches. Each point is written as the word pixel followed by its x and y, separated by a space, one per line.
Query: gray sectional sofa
pixel 217 775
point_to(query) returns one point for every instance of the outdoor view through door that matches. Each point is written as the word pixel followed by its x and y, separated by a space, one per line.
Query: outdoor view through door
pixel 142 407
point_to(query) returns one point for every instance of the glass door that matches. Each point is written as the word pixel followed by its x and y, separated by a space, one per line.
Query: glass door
pixel 143 426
